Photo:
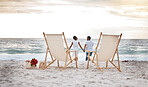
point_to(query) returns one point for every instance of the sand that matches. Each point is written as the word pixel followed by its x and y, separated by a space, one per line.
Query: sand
pixel 14 74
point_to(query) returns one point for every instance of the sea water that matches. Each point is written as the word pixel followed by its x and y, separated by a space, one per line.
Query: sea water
pixel 28 48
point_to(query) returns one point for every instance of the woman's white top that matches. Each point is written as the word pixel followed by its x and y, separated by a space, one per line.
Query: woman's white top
pixel 75 45
pixel 89 46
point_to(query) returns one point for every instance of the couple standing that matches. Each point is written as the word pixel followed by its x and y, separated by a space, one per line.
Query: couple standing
pixel 88 45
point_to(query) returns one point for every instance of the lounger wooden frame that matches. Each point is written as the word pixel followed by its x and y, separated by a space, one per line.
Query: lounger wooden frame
pixel 54 59
pixel 111 60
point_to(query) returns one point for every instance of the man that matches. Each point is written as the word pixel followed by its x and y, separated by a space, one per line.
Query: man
pixel 88 46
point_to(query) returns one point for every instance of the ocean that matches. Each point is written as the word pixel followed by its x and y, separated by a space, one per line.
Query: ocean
pixel 28 48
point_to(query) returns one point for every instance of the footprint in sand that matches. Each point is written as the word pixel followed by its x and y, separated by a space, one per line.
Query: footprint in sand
pixel 91 82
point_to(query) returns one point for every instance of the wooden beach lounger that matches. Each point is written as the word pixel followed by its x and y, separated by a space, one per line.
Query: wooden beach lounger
pixel 55 47
pixel 108 49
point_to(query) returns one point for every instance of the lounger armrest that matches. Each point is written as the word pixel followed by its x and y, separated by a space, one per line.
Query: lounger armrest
pixel 89 51
pixel 73 50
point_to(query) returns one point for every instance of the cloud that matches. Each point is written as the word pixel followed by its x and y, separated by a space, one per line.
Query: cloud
pixel 75 17
pixel 133 12
pixel 128 32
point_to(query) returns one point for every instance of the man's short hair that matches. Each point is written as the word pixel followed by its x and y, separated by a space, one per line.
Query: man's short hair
pixel 89 37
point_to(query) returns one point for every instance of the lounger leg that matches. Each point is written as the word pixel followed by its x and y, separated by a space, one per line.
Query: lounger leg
pixel 66 65
pixel 97 65
pixel 87 63
pixel 58 63
pixel 49 64
pixel 106 64
pixel 118 59
pixel 46 57
pixel 115 66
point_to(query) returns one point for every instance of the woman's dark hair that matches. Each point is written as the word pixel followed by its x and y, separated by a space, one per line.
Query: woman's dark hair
pixel 74 37
pixel 89 37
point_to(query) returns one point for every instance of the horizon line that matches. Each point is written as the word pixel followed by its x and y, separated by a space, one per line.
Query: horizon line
pixel 71 38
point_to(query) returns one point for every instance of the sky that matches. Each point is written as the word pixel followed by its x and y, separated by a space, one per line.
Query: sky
pixel 30 18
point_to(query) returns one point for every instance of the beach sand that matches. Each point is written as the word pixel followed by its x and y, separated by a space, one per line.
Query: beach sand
pixel 14 74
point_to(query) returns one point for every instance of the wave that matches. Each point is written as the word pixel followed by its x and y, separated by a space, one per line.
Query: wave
pixel 38 46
